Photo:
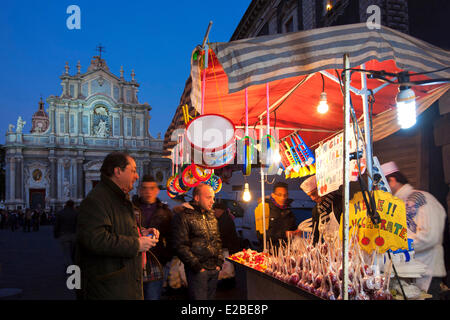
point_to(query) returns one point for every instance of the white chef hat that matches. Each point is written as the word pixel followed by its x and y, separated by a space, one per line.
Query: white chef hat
pixel 309 184
pixel 389 168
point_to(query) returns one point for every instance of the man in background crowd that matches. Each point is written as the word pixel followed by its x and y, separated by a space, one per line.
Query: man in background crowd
pixel 154 214
pixel 64 230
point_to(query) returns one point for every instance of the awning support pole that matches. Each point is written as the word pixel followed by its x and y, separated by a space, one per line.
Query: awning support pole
pixel 367 129
pixel 346 182
pixel 263 196
pixel 207 34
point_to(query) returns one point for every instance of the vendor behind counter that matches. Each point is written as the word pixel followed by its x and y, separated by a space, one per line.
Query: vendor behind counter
pixel 322 220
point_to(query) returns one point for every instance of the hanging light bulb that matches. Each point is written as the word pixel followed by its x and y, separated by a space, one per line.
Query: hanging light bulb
pixel 247 196
pixel 323 105
pixel 406 107
pixel 276 156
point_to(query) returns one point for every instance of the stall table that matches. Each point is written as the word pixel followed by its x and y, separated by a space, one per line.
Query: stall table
pixel 261 286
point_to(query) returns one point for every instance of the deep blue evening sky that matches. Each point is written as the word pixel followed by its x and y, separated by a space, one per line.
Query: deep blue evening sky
pixel 155 38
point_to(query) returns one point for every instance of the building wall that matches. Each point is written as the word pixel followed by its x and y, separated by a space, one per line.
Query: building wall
pixel 310 14
pixel 64 161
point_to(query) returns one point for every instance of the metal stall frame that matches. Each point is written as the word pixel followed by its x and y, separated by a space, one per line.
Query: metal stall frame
pixel 364 92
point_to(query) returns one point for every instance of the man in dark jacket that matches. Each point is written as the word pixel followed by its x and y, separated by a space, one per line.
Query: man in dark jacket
pixel 154 214
pixel 227 228
pixel 64 230
pixel 280 220
pixel 109 248
pixel 197 243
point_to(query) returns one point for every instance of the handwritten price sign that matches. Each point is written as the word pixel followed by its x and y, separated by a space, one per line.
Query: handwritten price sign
pixel 329 163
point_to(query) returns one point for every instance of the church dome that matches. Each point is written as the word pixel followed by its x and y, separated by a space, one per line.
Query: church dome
pixel 40 120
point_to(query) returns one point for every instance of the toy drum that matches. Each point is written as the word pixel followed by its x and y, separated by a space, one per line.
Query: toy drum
pixel 212 141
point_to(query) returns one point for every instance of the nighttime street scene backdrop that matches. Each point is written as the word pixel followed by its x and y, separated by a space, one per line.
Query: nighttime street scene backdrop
pixel 247 150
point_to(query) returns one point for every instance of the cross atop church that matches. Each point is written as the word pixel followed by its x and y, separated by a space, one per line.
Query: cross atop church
pixel 100 49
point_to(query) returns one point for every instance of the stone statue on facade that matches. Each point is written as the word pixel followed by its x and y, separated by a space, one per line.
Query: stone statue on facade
pixel 66 189
pixel 100 130
pixel 11 127
pixel 20 125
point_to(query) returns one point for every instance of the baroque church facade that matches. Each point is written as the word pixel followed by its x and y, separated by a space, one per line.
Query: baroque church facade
pixel 60 159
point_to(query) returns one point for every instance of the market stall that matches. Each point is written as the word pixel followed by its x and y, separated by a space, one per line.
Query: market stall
pixel 266 91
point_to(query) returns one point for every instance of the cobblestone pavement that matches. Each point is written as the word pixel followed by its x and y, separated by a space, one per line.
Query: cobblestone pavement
pixel 33 262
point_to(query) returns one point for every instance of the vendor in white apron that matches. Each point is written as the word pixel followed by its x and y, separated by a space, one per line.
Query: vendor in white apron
pixel 327 212
pixel 425 218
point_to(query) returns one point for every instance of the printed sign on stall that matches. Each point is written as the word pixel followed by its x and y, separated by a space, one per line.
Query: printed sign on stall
pixel 390 233
pixel 330 163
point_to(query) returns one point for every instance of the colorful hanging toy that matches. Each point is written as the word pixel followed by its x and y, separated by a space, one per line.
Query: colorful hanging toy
pixel 247 143
pixel 188 178
pixel 200 173
pixel 215 182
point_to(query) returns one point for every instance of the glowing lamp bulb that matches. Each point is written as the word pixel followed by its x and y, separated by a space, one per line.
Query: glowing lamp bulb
pixel 246 196
pixel 276 157
pixel 323 105
pixel 406 108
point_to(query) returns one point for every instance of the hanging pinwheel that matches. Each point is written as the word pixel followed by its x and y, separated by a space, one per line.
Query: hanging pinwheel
pixel 215 182
pixel 200 173
pixel 188 178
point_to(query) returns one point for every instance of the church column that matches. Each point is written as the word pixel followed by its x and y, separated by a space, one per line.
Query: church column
pixel 60 178
pixel 7 178
pixel 18 177
pixel 73 169
pixel 53 117
pixel 122 95
pixel 12 181
pixel 80 119
pixel 146 166
pixel 53 177
pixel 80 176
pixel 122 133
pixel 133 122
pixel 66 119
pixel 146 123
pixel 78 89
